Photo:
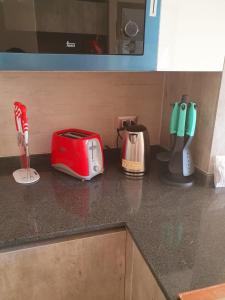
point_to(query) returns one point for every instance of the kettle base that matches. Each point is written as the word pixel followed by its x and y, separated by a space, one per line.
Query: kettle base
pixel 133 174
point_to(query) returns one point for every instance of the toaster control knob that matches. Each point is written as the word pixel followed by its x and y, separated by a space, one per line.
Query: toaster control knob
pixel 96 168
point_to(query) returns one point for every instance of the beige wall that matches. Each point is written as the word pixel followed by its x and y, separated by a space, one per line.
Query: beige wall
pixel 204 89
pixel 92 101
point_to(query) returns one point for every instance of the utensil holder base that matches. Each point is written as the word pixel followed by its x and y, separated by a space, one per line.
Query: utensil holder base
pixel 177 180
pixel 26 176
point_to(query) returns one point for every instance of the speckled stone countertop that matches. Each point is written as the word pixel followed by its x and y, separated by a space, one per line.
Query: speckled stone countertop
pixel 180 232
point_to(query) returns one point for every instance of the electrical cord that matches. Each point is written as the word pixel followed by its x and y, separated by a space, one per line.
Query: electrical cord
pixel 119 136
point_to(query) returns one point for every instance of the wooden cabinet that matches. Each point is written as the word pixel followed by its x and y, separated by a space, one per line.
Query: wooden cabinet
pixel 192 35
pixel 140 283
pixel 85 268
pixel 106 266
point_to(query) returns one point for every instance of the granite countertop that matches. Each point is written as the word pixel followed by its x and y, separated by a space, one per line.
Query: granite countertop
pixel 180 232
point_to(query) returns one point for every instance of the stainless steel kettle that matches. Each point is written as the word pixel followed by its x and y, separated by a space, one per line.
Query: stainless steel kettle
pixel 135 150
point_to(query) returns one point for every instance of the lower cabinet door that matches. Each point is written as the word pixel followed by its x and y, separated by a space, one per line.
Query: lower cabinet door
pixel 140 283
pixel 84 268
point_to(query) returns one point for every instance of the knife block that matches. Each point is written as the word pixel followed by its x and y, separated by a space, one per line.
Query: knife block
pixel 178 164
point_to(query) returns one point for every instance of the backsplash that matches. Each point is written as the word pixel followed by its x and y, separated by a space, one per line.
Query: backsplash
pixel 91 101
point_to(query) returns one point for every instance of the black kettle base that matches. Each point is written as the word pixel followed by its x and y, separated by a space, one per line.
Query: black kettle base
pixel 177 180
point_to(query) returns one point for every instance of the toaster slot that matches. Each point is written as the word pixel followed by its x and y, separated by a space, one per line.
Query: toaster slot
pixel 74 135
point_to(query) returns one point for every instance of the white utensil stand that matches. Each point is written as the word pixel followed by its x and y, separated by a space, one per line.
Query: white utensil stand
pixel 26 176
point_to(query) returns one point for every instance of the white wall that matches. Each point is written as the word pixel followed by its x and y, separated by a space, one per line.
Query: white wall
pixel 192 35
pixel 218 143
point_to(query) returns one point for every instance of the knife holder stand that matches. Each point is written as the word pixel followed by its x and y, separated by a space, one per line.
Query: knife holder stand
pixel 178 169
pixel 177 180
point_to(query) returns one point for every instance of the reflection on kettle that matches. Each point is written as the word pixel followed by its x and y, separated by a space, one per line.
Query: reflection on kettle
pixel 172 234
pixel 132 192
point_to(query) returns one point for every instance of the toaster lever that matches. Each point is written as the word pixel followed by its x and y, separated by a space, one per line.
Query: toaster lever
pixel 92 148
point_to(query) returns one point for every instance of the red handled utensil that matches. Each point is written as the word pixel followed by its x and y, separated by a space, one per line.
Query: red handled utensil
pixel 18 112
pixel 26 174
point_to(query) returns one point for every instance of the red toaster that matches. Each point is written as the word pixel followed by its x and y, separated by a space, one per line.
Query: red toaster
pixel 77 152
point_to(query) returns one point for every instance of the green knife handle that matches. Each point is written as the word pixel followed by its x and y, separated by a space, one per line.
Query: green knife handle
pixel 182 119
pixel 191 119
pixel 174 118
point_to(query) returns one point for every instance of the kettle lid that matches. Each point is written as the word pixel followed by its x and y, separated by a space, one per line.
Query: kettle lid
pixel 136 128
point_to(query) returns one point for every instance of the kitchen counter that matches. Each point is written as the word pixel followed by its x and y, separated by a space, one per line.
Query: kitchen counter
pixel 180 232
